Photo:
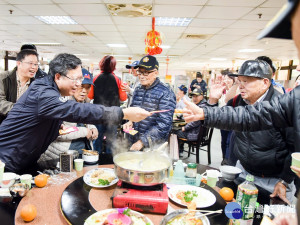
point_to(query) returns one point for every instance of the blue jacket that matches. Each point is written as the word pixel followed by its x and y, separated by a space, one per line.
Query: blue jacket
pixel 34 121
pixel 158 126
pixel 202 84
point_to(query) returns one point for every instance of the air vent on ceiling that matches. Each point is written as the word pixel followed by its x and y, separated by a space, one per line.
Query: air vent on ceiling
pixel 196 36
pixel 79 33
pixel 130 10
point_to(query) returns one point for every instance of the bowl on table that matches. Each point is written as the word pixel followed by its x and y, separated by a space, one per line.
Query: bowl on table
pixel 229 173
pixel 8 179
pixel 90 157
pixel 19 190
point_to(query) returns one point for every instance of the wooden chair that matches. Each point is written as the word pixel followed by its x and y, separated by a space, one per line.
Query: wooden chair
pixel 204 138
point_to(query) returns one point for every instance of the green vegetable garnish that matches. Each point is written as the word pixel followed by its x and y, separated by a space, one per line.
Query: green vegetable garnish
pixel 103 182
pixel 189 195
pixel 126 212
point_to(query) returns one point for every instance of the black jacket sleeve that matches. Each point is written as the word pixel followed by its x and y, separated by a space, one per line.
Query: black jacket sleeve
pixel 261 116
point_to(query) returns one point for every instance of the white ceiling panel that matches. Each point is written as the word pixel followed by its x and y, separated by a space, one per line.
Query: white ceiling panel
pixel 272 3
pixel 42 10
pixel 216 12
pixel 141 21
pixel 226 37
pixel 176 10
pixel 248 24
pixel 92 19
pixel 5 11
pixel 134 29
pixel 199 30
pixel 266 14
pixel 70 27
pixel 180 2
pixel 85 9
pixel 76 1
pixel 237 31
pixel 101 27
pixel 30 2
pixel 24 20
pixel 210 23
pixel 244 3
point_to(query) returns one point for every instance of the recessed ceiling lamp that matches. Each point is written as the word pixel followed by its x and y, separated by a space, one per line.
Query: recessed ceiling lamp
pixel 172 21
pixel 218 59
pixel 56 19
pixel 117 45
pixel 47 43
pixel 251 50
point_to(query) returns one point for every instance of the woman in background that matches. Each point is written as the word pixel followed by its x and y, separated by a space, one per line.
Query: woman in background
pixel 107 91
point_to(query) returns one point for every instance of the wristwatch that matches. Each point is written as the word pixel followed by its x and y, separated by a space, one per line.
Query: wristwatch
pixel 283 182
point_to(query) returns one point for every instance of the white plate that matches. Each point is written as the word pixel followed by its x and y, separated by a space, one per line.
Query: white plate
pixel 167 218
pixel 204 199
pixel 91 220
pixel 87 178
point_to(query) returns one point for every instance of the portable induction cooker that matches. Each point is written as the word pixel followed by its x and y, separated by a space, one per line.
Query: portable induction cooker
pixel 153 199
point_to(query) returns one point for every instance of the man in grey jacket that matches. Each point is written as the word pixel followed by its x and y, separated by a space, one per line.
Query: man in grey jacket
pixel 14 83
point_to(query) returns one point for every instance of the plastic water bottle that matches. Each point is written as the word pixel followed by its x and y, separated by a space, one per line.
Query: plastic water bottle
pixel 179 172
pixel 246 197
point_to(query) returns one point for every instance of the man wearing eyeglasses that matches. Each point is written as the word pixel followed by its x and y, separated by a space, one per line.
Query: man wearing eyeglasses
pixel 14 83
pixel 34 121
pixel 151 95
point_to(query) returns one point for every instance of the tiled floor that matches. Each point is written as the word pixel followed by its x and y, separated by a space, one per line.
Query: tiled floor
pixel 216 152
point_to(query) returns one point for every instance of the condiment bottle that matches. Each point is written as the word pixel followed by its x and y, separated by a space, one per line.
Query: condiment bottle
pixel 179 169
pixel 191 170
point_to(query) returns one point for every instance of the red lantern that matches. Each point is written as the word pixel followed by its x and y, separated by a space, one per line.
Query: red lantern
pixel 153 41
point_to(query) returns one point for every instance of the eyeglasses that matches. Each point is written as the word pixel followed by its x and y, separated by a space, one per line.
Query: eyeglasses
pixel 31 64
pixel 79 80
pixel 146 73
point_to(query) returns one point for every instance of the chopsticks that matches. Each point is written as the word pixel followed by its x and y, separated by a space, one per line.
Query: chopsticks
pixel 160 111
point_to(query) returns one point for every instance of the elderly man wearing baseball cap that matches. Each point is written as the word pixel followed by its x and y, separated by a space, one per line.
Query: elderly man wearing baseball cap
pixel 181 96
pixel 282 111
pixel 151 95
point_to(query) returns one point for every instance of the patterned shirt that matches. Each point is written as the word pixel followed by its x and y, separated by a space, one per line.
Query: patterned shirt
pixel 20 89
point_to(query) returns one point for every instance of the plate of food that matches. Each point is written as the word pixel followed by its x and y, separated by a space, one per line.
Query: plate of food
pixel 100 177
pixel 185 194
pixel 184 216
pixel 118 216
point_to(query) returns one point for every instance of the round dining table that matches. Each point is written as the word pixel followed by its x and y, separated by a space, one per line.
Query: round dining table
pixel 66 199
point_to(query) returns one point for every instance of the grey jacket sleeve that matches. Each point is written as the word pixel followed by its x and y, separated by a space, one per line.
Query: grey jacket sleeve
pixel 261 116
pixel 5 106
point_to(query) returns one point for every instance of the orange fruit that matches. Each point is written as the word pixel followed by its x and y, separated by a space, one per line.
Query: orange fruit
pixel 41 180
pixel 227 194
pixel 28 212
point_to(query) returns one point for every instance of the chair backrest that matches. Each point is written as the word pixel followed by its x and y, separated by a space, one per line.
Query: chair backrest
pixel 204 136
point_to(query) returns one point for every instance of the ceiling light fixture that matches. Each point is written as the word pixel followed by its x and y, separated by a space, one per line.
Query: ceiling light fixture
pixel 251 50
pixel 56 19
pixel 47 43
pixel 172 21
pixel 218 59
pixel 117 45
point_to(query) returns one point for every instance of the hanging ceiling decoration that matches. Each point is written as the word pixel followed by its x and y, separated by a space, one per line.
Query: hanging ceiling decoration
pixel 153 41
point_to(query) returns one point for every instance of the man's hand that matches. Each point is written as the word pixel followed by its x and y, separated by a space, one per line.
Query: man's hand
pixel 280 191
pixel 192 112
pixel 94 133
pixel 125 87
pixel 128 125
pixel 137 146
pixel 89 134
pixel 135 114
pixel 297 169
pixel 182 129
pixel 216 89
pixel 286 219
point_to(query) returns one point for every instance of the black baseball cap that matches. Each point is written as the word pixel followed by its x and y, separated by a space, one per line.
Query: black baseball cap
pixel 196 91
pixel 134 64
pixel 148 62
pixel 255 68
pixel 280 25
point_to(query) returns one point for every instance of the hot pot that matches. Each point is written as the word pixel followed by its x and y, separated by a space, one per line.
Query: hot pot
pixel 142 168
